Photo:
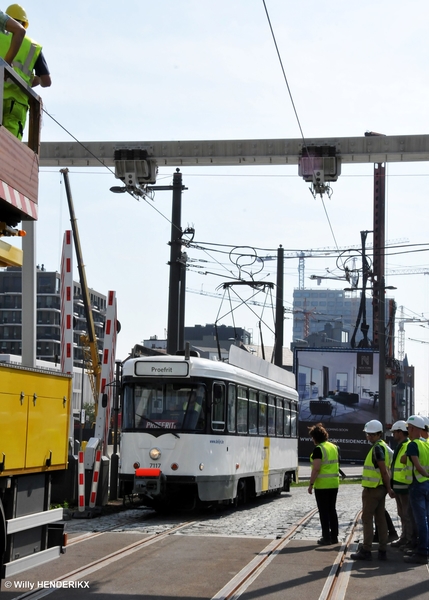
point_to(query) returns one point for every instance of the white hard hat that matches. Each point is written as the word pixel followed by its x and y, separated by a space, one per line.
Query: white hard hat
pixel 426 420
pixel 373 426
pixel 399 426
pixel 417 421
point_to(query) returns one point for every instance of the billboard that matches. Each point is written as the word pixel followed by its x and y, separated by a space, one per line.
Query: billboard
pixel 338 388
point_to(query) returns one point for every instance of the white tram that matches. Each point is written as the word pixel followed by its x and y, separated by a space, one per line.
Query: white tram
pixel 197 431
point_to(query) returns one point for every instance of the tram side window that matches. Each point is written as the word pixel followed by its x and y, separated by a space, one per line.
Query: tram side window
pixel 242 409
pixel 262 421
pixel 195 409
pixel 218 407
pixel 293 418
pixel 279 417
pixel 253 412
pixel 286 415
pixel 271 416
pixel 232 396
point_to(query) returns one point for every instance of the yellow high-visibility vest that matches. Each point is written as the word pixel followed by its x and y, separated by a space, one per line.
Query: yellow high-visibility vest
pixel 371 476
pixel 402 474
pixel 23 64
pixel 423 447
pixel 329 476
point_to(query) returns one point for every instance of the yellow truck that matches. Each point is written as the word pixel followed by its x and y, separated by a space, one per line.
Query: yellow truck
pixel 34 425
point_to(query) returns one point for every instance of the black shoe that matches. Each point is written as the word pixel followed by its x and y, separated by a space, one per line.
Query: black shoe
pixel 382 555
pixel 399 543
pixel 361 555
pixel 392 536
pixel 416 559
pixel 334 540
pixel 324 542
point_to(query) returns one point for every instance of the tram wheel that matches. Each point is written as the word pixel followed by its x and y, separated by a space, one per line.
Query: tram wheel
pixel 242 492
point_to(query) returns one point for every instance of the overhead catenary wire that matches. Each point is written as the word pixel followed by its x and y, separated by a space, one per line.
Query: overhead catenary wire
pixel 215 247
pixel 199 245
pixel 102 164
pixel 294 108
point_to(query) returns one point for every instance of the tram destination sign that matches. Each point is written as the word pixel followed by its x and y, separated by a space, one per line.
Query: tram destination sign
pixel 161 369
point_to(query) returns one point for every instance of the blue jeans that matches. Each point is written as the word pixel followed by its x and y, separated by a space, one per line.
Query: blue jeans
pixel 419 499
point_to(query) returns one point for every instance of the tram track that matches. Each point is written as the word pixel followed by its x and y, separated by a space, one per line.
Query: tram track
pixel 82 572
pixel 89 535
pixel 336 583
pixel 334 587
pixel 238 584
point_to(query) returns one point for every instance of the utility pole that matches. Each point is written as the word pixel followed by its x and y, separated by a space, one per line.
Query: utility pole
pixel 379 288
pixel 279 328
pixel 176 308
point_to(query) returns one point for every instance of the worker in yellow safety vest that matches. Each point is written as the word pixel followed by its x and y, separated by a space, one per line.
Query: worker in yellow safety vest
pixel 418 458
pixel 401 475
pixel 30 64
pixel 17 32
pixel 376 484
pixel 325 479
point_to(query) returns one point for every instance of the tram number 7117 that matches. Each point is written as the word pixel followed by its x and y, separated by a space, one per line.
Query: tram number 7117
pixel 155 465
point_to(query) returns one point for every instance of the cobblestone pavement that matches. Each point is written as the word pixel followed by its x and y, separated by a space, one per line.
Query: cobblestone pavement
pixel 266 517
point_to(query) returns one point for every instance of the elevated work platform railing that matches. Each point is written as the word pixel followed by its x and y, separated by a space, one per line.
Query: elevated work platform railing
pixel 19 169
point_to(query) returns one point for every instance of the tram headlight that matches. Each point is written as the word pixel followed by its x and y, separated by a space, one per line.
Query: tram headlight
pixel 155 453
pixel 136 465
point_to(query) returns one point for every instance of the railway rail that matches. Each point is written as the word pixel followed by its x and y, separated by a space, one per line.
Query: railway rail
pixel 207 558
pixel 237 584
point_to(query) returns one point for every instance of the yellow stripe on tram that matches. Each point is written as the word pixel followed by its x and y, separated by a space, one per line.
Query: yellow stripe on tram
pixel 266 467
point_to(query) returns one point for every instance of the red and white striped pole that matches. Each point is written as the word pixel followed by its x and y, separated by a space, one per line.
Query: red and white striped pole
pixel 81 481
pixel 102 424
pixel 95 478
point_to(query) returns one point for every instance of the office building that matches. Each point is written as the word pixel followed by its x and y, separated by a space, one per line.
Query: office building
pixel 48 317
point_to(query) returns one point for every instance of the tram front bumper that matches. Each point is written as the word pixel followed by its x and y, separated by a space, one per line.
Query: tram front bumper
pixel 149 482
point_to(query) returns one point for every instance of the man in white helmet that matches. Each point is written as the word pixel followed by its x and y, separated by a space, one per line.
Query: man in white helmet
pixel 401 479
pixel 418 458
pixel 376 484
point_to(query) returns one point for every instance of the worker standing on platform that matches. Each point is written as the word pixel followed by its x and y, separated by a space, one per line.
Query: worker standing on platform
pixel 401 479
pixel 376 484
pixel 30 64
pixel 17 32
pixel 418 457
pixel 325 479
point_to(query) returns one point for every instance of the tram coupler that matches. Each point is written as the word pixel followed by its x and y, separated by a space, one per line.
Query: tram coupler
pixel 149 482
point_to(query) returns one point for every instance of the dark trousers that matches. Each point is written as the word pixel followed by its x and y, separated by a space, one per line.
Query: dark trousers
pixel 326 500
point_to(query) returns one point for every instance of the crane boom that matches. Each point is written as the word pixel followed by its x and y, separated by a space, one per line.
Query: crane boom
pixel 89 340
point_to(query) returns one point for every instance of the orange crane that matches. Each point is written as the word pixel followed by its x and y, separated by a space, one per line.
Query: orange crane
pixel 88 339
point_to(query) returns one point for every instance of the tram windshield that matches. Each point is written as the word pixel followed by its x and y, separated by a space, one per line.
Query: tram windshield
pixel 164 406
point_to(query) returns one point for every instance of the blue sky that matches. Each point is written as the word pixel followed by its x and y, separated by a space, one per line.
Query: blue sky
pixel 206 69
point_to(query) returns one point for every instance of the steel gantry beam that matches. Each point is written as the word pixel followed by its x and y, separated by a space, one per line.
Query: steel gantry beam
pixel 365 149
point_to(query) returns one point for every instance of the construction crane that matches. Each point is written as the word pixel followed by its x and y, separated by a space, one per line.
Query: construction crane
pixel 401 331
pixel 303 254
pixel 89 339
pixel 416 271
